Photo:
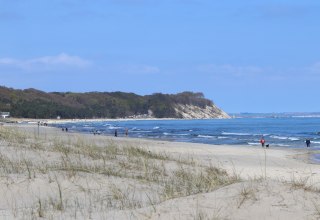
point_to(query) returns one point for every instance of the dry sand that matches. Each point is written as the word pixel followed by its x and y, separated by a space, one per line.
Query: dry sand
pixel 41 178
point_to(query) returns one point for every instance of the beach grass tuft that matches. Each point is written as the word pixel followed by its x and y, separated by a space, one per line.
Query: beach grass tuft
pixel 81 177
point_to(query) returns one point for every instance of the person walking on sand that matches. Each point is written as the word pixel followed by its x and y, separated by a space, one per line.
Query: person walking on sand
pixel 126 132
pixel 262 141
pixel 116 133
pixel 308 142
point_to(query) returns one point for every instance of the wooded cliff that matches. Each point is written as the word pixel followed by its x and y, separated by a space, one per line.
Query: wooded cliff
pixel 32 103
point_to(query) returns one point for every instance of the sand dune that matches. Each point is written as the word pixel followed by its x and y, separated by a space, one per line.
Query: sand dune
pixel 59 175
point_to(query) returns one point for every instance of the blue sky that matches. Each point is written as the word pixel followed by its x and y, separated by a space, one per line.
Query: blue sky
pixel 246 56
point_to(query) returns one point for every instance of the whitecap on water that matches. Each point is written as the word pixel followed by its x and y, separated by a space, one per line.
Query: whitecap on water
pixel 140 131
pixel 285 138
pixel 233 133
pixel 114 127
pixel 294 139
pixel 253 143
pixel 205 136
pixel 279 137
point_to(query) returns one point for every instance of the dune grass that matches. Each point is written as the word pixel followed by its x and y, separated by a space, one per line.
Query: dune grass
pixel 69 176
pixel 81 177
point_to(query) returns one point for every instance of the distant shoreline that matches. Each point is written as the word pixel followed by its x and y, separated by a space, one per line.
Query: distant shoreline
pixel 302 155
pixel 58 121
pixel 101 126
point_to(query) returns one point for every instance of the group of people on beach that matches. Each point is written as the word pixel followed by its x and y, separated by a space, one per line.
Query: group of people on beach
pixel 263 141
pixel 41 123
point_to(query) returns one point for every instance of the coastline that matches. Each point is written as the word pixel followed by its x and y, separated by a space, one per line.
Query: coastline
pixel 258 178
pixel 237 132
pixel 302 154
pixel 58 121
pixel 247 159
pixel 33 123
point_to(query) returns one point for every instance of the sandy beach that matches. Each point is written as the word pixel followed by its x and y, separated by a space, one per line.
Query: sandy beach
pixel 64 175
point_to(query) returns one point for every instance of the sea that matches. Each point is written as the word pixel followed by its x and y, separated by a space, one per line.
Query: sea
pixel 288 132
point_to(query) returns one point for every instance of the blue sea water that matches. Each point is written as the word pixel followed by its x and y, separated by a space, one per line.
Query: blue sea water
pixel 278 132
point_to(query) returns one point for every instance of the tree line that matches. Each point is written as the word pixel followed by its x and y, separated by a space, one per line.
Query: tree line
pixel 32 103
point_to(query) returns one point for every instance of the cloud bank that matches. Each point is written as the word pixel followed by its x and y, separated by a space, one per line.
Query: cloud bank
pixel 62 60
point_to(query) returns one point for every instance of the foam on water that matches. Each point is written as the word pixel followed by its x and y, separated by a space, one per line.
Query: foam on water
pixel 233 133
pixel 254 143
pixel 279 137
pixel 205 136
pixel 294 139
pixel 141 131
pixel 114 127
pixel 285 138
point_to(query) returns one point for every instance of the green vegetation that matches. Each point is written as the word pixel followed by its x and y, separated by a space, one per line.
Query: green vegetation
pixel 32 103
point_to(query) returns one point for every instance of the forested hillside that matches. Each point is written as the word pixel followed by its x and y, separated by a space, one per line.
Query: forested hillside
pixel 32 103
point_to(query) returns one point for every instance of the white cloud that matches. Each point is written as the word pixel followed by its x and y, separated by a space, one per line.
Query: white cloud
pixel 46 62
pixel 8 61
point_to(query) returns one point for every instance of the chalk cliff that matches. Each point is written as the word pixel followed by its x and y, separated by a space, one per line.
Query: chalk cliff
pixel 196 112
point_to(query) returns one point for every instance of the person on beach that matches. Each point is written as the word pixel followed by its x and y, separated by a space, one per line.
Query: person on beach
pixel 308 142
pixel 126 132
pixel 116 133
pixel 262 141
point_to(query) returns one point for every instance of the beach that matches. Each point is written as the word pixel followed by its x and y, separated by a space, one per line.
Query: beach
pixel 51 174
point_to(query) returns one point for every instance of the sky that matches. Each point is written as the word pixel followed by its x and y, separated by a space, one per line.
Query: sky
pixel 245 56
